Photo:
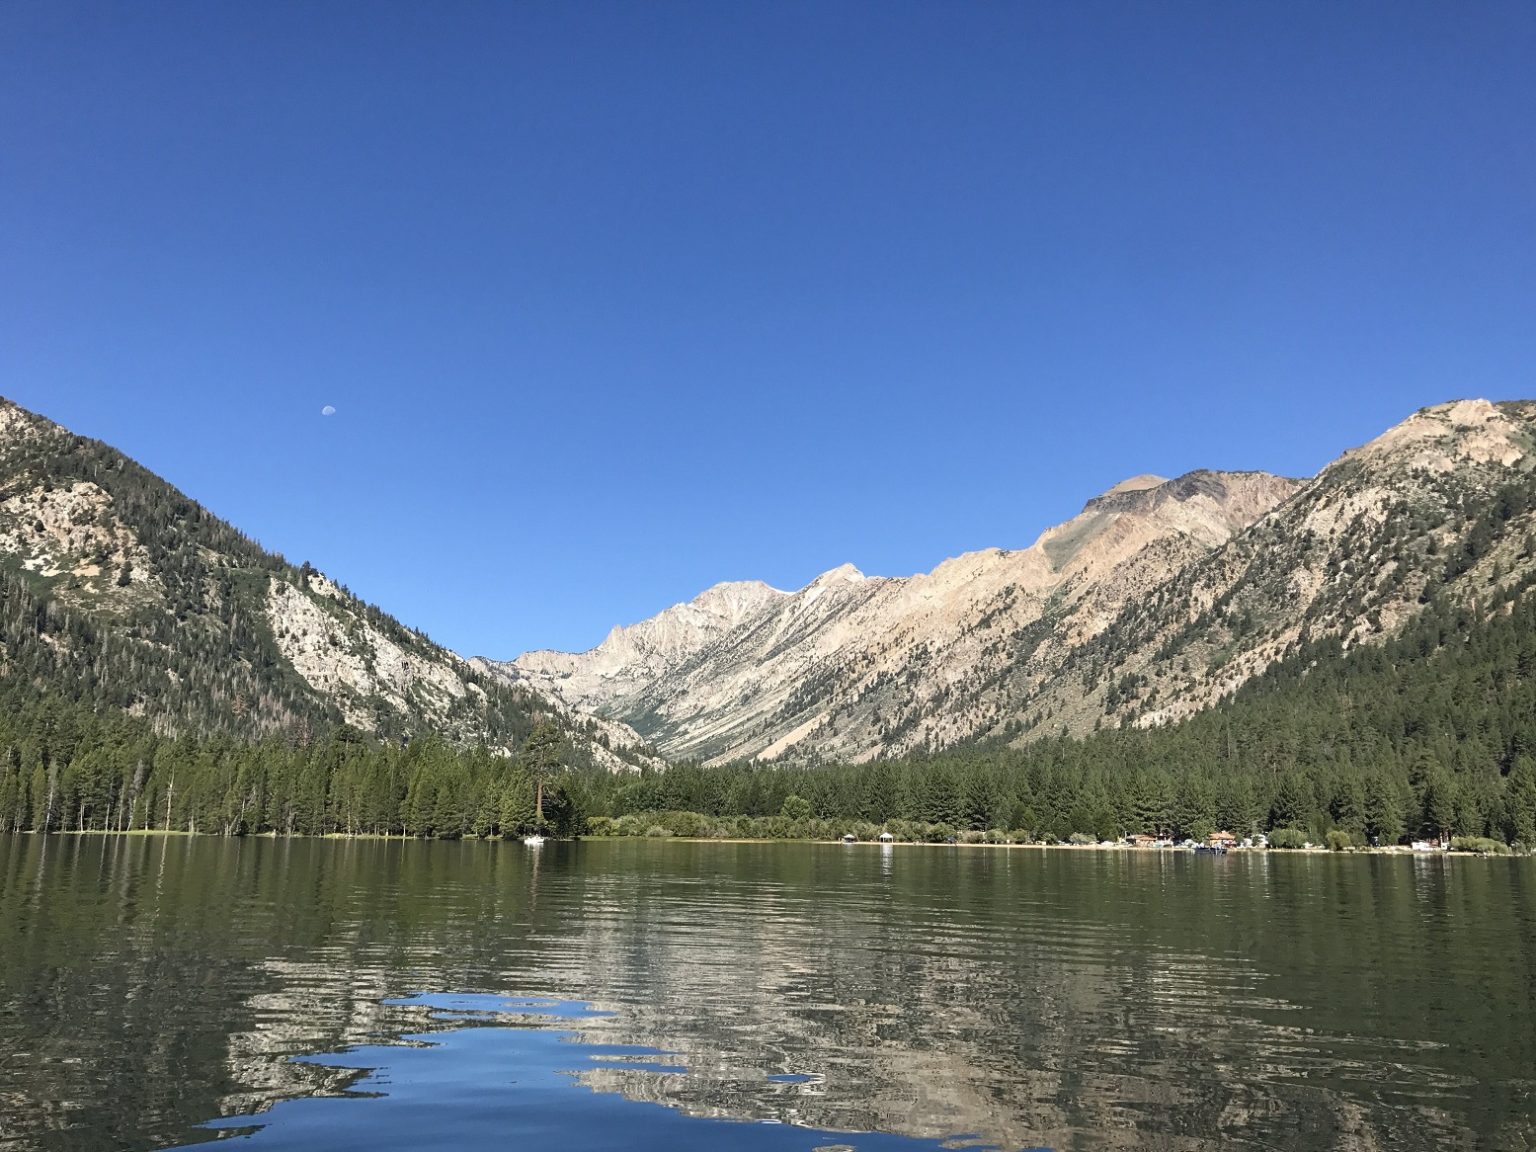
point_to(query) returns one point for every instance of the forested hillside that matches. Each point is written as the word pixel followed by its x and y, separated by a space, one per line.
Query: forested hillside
pixel 122 594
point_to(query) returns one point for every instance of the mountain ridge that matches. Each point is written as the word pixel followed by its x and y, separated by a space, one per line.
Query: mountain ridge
pixel 1356 554
pixel 1001 644
pixel 808 630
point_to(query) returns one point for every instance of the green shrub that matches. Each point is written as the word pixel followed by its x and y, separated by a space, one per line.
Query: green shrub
pixel 630 826
pixel 1339 840
pixel 1081 838
pixel 1287 838
pixel 687 824
pixel 657 832
pixel 795 808
pixel 1479 844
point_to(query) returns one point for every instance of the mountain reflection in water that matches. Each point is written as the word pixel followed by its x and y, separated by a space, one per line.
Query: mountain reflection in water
pixel 1086 1000
pixel 500 1073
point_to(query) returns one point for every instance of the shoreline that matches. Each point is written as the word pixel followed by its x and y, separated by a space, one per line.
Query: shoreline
pixel 1314 850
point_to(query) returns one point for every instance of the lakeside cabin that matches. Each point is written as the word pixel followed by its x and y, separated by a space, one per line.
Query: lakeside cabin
pixel 1223 840
pixel 1142 840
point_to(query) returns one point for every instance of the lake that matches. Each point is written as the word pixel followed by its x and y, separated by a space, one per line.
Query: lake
pixel 161 991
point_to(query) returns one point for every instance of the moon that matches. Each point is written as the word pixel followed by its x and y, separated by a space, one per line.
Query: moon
pixel 328 410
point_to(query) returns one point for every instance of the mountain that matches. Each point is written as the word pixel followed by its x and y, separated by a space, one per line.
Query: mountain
pixel 1442 506
pixel 857 666
pixel 631 658
pixel 1160 598
pixel 120 593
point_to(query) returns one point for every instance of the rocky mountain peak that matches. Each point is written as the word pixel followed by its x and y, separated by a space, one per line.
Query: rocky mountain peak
pixel 1443 435
pixel 842 574
pixel 734 600
pixel 1137 484
pixel 1204 505
pixel 684 626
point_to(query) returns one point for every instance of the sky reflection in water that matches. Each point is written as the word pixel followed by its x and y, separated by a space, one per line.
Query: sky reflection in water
pixel 509 1071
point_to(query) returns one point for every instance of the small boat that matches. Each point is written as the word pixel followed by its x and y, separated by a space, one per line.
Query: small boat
pixel 533 841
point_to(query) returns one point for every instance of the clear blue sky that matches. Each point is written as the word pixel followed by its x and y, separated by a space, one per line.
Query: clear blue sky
pixel 615 301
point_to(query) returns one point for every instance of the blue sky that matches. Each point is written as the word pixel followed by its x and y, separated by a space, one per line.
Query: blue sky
pixel 615 301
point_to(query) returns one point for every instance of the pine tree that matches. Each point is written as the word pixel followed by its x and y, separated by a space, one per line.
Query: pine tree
pixel 543 754
pixel 1382 810
pixel 1520 793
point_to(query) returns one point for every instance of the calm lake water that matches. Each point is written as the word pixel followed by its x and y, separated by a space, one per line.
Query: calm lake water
pixel 663 995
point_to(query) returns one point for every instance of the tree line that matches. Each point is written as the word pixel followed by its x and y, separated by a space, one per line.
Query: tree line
pixel 62 769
